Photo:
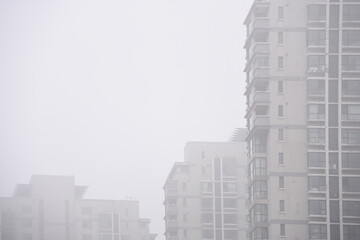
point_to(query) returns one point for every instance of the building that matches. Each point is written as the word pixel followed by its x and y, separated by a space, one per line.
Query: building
pixel 52 207
pixel 303 117
pixel 205 196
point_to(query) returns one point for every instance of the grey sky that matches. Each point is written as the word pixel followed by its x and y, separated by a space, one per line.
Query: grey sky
pixel 110 91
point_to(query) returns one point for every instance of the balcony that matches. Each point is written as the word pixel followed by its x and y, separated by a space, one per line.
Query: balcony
pixel 261 72
pixel 171 192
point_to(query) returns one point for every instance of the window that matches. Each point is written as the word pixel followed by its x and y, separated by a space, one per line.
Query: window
pixel 259 144
pixel 184 202
pixel 184 186
pixel 351 13
pixel 316 63
pixel 203 170
pixel 280 12
pixel 351 184
pixel 316 159
pixel 316 38
pixel 185 217
pixel 351 232
pixel 280 86
pixel 202 155
pixel 258 167
pixel 351 208
pixel 230 234
pixel 258 190
pixel 316 87
pixel 261 61
pixel 317 207
pixel 105 221
pixel 208 234
pixel 316 12
pixel 282 230
pixel 206 187
pixel 259 214
pixel 229 167
pixel 280 62
pixel 260 233
pixel 230 218
pixel 351 160
pixel 351 63
pixel 280 37
pixel 173 217
pixel 317 231
pixel 230 202
pixel 316 136
pixel 281 158
pixel 350 87
pixel 27 222
pixel 351 38
pixel 350 112
pixel 281 134
pixel 26 209
pixel 87 237
pixel 350 136
pixel 281 182
pixel 206 218
pixel 317 183
pixel 172 233
pixel 229 187
pixel 185 233
pixel 282 205
pixel 316 111
pixel 26 236
pixel 280 111
pixel 206 203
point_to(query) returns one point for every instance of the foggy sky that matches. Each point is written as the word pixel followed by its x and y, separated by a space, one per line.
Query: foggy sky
pixel 110 91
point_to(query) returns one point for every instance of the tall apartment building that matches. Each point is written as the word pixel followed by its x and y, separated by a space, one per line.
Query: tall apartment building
pixel 52 207
pixel 303 116
pixel 205 195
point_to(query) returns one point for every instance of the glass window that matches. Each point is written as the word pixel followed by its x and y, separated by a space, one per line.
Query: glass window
pixel 317 207
pixel 316 87
pixel 350 136
pixel 280 12
pixel 351 63
pixel 207 218
pixel 316 38
pixel 280 111
pixel 87 224
pixel 282 205
pixel 280 38
pixel 229 167
pixel 316 135
pixel 280 86
pixel 317 183
pixel 282 230
pixel 350 87
pixel 258 190
pixel 230 218
pixel 261 61
pixel 351 232
pixel 258 167
pixel 351 12
pixel 350 112
pixel 316 111
pixel 316 63
pixel 351 184
pixel 351 160
pixel 259 214
pixel 351 38
pixel 280 62
pixel 281 158
pixel 281 134
pixel 206 203
pixel 281 182
pixel 260 233
pixel 259 144
pixel 316 12
pixel 317 231
pixel 207 234
pixel 229 187
pixel 316 159
pixel 351 208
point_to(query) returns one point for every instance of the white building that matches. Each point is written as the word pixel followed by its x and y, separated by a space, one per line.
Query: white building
pixel 52 207
pixel 303 116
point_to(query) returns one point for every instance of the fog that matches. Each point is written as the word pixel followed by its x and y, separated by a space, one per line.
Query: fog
pixel 110 91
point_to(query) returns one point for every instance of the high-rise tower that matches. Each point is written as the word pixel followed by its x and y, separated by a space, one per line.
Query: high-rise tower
pixel 303 116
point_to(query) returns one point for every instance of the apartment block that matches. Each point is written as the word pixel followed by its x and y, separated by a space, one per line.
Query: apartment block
pixel 205 196
pixel 52 207
pixel 303 117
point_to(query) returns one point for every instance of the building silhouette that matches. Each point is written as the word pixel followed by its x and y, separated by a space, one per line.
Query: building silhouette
pixel 205 196
pixel 52 207
pixel 303 116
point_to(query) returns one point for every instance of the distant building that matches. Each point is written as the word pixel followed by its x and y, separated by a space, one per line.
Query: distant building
pixel 205 196
pixel 52 208
pixel 303 117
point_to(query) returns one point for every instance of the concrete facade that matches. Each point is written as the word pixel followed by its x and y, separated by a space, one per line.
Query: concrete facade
pixel 52 207
pixel 205 196
pixel 303 116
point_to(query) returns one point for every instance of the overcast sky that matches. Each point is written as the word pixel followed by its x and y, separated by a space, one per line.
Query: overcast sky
pixel 111 91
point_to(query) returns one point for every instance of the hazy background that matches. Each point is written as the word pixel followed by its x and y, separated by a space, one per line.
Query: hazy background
pixel 110 91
